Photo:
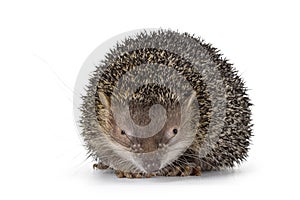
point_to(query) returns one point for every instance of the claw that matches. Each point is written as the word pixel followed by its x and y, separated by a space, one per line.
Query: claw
pixel 119 174
pixel 128 175
pixel 148 175
pixel 95 166
pixel 138 175
pixel 196 171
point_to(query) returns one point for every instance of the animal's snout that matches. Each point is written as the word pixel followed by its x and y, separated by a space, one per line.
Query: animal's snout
pixel 151 165
pixel 149 162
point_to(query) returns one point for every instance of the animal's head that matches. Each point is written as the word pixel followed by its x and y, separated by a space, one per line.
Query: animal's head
pixel 148 131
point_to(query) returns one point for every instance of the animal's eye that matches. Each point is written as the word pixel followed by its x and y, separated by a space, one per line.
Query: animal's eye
pixel 175 131
pixel 123 132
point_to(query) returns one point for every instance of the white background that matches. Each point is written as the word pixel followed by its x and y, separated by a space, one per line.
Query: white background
pixel 44 44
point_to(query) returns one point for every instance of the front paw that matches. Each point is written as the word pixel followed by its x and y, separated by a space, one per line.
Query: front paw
pixel 99 166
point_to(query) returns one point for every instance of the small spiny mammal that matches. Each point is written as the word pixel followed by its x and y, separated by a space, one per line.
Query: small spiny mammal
pixel 165 103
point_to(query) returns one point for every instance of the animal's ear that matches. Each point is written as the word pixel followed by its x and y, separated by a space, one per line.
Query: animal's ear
pixel 188 101
pixel 105 100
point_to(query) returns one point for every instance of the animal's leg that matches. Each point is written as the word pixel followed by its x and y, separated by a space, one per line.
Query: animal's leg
pixel 100 166
pixel 181 171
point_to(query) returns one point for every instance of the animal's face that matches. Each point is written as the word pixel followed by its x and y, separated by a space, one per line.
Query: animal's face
pixel 131 141
pixel 162 145
pixel 146 151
